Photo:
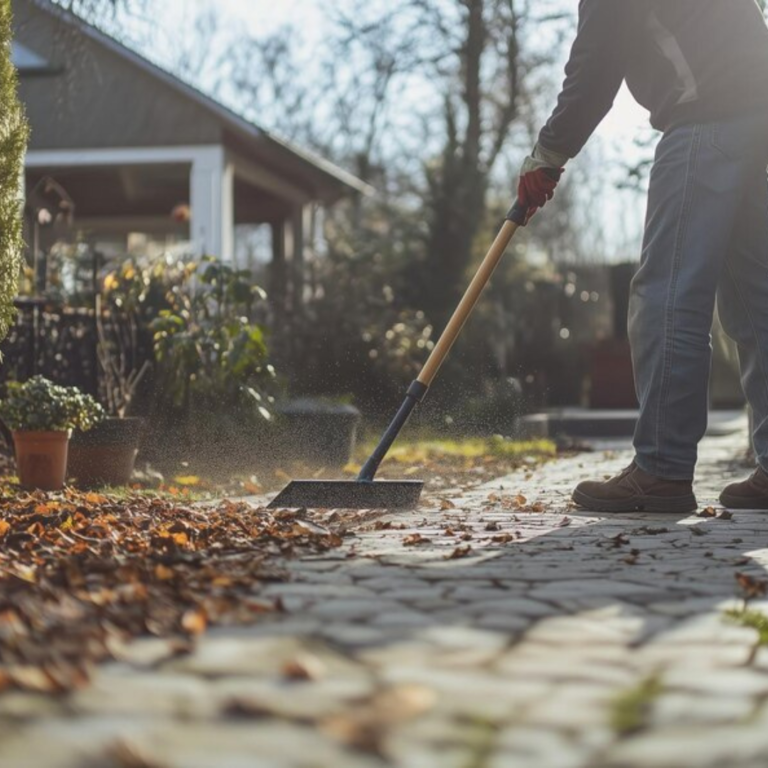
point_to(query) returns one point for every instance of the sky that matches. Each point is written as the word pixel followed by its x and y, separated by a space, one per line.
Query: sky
pixel 613 143
pixel 263 16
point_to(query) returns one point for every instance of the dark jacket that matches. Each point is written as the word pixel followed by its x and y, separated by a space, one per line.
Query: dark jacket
pixel 687 61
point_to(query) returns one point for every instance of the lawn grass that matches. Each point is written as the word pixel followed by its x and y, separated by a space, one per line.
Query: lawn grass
pixel 419 449
pixel 442 461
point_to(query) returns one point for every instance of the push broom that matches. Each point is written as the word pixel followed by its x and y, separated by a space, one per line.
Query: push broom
pixel 365 492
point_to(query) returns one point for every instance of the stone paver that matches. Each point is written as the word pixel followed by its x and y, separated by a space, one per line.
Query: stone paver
pixel 538 637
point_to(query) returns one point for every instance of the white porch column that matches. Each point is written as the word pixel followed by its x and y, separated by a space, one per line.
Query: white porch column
pixel 212 200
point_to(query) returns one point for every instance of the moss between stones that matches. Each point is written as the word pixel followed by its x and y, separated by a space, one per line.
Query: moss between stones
pixel 631 709
pixel 746 617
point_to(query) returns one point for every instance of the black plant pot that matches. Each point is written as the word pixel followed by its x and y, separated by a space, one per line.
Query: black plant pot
pixel 106 454
pixel 316 432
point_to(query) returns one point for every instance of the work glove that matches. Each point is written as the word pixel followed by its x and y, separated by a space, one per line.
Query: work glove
pixel 539 176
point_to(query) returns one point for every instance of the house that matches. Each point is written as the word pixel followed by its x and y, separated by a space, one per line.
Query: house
pixel 132 152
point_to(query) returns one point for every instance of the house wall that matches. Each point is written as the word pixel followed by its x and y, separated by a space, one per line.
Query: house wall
pixel 100 99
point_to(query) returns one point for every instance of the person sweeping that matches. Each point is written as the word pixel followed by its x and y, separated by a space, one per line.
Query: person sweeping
pixel 701 68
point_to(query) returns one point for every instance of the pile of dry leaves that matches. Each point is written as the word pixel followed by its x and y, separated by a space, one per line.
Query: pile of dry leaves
pixel 81 573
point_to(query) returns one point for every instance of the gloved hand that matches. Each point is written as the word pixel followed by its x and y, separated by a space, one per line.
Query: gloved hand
pixel 538 178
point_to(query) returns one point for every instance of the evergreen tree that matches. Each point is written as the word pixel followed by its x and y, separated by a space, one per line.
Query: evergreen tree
pixel 14 132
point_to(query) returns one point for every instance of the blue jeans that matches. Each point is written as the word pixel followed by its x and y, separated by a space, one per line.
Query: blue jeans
pixel 706 240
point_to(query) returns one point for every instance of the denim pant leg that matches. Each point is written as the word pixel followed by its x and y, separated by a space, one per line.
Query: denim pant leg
pixel 743 302
pixel 693 200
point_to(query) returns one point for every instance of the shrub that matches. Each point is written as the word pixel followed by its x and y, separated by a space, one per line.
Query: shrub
pixel 39 405
pixel 212 386
pixel 14 132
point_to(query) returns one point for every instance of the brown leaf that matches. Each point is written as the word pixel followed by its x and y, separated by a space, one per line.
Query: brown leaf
pixel 414 540
pixel 163 572
pixel 750 586
pixel 302 668
pixel 366 726
pixel 194 621
pixel 459 552
pixel 446 504
pixel 632 557
pixel 32 678
pixel 95 498
pixel 4 528
pixel 124 754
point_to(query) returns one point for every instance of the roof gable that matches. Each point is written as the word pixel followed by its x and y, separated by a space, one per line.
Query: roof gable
pixel 167 109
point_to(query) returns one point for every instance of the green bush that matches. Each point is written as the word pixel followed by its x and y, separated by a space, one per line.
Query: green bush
pixel 39 405
pixel 14 132
pixel 209 355
pixel 212 387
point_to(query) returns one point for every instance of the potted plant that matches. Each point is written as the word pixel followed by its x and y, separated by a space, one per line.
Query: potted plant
pixel 213 383
pixel 41 416
pixel 106 454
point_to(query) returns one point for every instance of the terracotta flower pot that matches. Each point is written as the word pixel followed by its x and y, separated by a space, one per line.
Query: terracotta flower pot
pixel 41 459
pixel 106 454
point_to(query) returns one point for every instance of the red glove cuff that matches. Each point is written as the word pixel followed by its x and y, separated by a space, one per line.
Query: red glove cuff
pixel 536 188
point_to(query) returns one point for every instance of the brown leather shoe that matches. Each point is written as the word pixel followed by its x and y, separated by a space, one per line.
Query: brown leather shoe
pixel 634 490
pixel 750 494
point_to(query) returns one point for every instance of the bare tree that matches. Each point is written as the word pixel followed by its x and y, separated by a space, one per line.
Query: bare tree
pixel 419 97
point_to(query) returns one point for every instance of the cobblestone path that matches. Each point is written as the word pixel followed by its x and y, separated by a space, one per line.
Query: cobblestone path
pixel 487 630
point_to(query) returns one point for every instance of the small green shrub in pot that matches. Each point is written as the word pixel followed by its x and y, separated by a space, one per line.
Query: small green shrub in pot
pixel 41 415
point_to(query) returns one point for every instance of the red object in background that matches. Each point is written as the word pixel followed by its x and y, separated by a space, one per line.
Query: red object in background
pixel 182 213
pixel 612 380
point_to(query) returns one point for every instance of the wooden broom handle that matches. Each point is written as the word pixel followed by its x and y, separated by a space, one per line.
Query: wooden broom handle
pixel 467 304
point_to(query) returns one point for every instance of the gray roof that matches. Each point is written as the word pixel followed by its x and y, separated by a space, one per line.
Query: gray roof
pixel 230 118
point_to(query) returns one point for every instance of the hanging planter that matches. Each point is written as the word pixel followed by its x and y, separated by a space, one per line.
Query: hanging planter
pixel 41 416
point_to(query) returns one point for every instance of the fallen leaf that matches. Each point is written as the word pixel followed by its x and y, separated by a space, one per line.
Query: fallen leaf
pixel 194 621
pixel 459 552
pixel 751 586
pixel 124 754
pixel 163 572
pixel 32 679
pixel 304 667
